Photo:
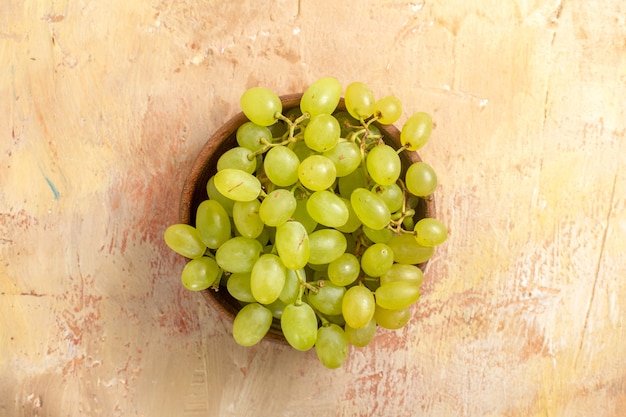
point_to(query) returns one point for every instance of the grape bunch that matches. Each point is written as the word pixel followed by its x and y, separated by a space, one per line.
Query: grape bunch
pixel 310 221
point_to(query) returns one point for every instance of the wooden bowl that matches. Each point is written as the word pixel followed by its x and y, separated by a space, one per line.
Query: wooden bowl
pixel 194 192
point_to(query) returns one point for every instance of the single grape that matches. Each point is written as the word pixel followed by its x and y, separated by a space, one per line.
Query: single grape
pixel 362 336
pixel 421 179
pixel 346 156
pixel 403 272
pixel 293 244
pixel 277 207
pixel 200 273
pixel 327 209
pixel 252 136
pixel 212 224
pixel 359 100
pixel 237 185
pixel 321 97
pixel 238 285
pixel 358 306
pixel 430 232
pixel 331 346
pixel 289 294
pixel 251 324
pixel 299 326
pixel 416 131
pixel 388 109
pixel 370 208
pixel 277 308
pixel 260 105
pixel 378 235
pixel 392 196
pixel 184 240
pixel 383 165
pixel 397 295
pixel 246 218
pixel 348 183
pixel 237 158
pixel 392 319
pixel 281 166
pixel 344 270
pixel 317 172
pixel 267 278
pixel 377 259
pixel 327 300
pixel 353 222
pixel 238 254
pixel 326 245
pixel 302 215
pixel 322 133
pixel 301 150
pixel 406 250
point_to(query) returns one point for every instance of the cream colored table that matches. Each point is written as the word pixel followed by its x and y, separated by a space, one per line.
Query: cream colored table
pixel 104 105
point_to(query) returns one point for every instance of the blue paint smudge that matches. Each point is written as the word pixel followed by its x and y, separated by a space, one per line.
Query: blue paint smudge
pixel 55 192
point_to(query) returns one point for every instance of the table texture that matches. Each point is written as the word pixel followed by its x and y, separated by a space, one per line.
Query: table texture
pixel 105 104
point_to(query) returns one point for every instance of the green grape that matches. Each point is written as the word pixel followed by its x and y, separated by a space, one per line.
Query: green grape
pixel 392 196
pixel 246 218
pixel 344 270
pixel 200 273
pixel 301 150
pixel 260 105
pixel 353 222
pixel 331 346
pixel 416 131
pixel 362 336
pixel 299 326
pixel 377 259
pixel 237 158
pixel 266 235
pixel 378 235
pixel 346 156
pixel 293 244
pixel 430 232
pixel 327 300
pixel 347 123
pixel 397 295
pixel 326 245
pixel 421 179
pixel 388 109
pixel 214 194
pixel 267 278
pixel 403 272
pixel 277 308
pixel 238 285
pixel 358 306
pixel 277 207
pixel 317 172
pixel 321 97
pixel 184 240
pixel 383 165
pixel 251 324
pixel 322 133
pixel 302 215
pixel 406 250
pixel 289 294
pixel 237 185
pixel 212 224
pixel 238 254
pixel 327 209
pixel 359 100
pixel 281 166
pixel 392 319
pixel 347 184
pixel 252 136
pixel 370 208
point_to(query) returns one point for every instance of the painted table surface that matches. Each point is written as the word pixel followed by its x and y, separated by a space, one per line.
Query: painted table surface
pixel 104 106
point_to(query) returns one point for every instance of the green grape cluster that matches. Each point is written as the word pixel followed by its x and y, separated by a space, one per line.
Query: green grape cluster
pixel 310 220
